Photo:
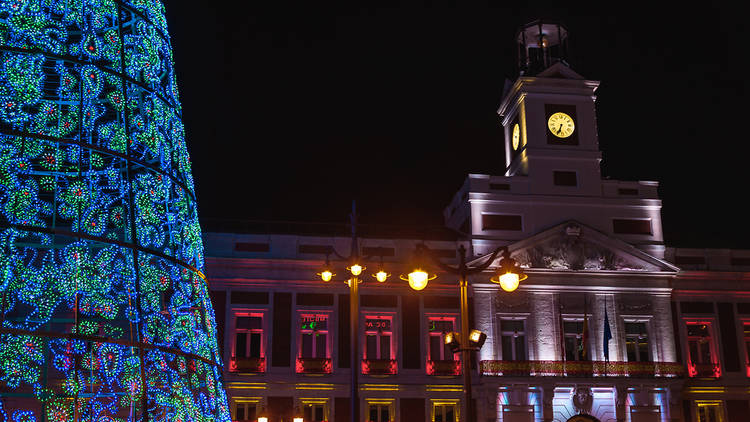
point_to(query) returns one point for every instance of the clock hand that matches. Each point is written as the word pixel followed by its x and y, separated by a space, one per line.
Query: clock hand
pixel 559 130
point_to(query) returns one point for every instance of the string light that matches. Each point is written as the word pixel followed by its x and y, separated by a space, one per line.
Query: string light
pixel 101 290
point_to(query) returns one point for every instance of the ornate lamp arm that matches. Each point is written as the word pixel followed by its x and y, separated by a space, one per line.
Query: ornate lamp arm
pixel 473 270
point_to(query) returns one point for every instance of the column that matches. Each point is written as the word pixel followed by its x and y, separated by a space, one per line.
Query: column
pixel 548 410
pixel 621 400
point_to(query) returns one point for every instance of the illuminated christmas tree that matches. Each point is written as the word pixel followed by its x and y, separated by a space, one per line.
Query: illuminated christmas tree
pixel 104 314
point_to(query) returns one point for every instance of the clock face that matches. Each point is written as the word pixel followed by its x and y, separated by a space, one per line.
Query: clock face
pixel 516 136
pixel 561 125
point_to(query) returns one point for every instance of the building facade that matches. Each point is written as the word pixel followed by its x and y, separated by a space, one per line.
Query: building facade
pixel 611 324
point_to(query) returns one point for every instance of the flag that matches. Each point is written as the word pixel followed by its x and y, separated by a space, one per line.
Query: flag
pixel 607 332
pixel 562 335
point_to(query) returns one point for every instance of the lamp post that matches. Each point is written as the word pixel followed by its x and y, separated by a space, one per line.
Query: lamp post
pixel 508 276
pixel 355 268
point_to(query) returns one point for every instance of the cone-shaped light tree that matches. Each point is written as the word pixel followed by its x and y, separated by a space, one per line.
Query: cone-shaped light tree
pixel 104 309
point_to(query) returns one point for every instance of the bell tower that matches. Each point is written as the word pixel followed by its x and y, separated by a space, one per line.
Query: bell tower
pixel 549 117
pixel 540 45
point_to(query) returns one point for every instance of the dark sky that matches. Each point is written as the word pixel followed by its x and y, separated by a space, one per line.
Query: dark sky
pixel 293 111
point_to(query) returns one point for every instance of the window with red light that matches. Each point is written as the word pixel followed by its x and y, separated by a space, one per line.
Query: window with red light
pixel 699 343
pixel 313 336
pixel 248 335
pixel 701 349
pixel 438 327
pixel 378 337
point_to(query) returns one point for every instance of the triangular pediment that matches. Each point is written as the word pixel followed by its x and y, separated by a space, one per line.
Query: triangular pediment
pixel 559 71
pixel 575 246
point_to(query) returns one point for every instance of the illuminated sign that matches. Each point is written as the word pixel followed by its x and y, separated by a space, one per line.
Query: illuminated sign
pixel 377 324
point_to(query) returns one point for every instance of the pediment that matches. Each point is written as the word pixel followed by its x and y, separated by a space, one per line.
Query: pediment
pixel 575 246
pixel 559 71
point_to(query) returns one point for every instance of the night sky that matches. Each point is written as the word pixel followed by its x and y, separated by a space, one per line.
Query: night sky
pixel 293 111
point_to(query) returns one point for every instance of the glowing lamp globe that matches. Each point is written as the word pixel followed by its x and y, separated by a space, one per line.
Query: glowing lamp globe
pixel 356 269
pixel 418 279
pixel 509 282
pixel 326 275
pixel 298 420
pixel 510 274
pixel 262 419
pixel 381 276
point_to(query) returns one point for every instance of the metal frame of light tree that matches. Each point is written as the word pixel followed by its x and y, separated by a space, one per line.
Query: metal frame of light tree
pixel 508 275
pixel 104 312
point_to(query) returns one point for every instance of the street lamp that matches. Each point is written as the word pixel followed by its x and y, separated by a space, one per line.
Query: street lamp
pixel 355 268
pixel 508 276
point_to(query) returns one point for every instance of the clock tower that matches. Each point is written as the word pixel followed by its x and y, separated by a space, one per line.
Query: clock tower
pixel 549 116
pixel 552 160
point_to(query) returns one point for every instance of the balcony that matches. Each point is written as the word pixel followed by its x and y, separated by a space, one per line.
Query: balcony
pixel 247 365
pixel 545 368
pixel 379 367
pixel 444 367
pixel 313 366
pixel 704 370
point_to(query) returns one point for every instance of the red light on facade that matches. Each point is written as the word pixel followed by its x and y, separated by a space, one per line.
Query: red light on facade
pixel 379 367
pixel 313 366
pixel 443 367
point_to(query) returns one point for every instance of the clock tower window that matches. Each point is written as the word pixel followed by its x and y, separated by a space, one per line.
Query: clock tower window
pixel 565 178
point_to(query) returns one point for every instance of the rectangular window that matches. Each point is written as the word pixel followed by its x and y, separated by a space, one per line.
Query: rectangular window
pixel 710 411
pixel 513 339
pixel 245 411
pixel 573 332
pixel 701 350
pixel 631 226
pixel 378 337
pixel 438 328
pixel 248 348
pixel 314 336
pixel 248 336
pixel 636 342
pixel 501 222
pixel 445 412
pixel 565 178
pixel 314 412
pixel 379 412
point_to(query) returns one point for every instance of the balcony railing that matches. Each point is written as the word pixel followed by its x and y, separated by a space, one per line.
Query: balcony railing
pixel 443 367
pixel 313 366
pixel 546 368
pixel 704 370
pixel 247 365
pixel 379 366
